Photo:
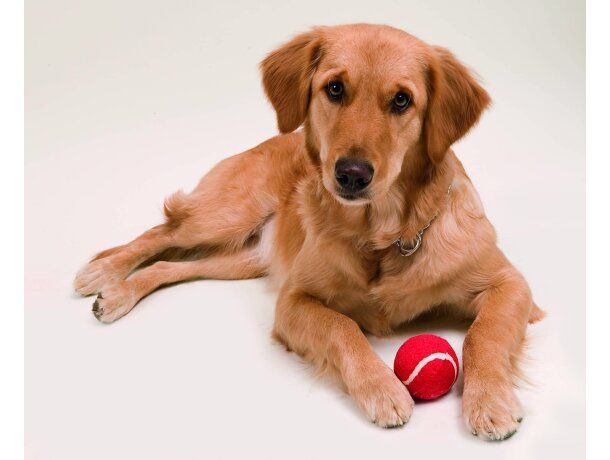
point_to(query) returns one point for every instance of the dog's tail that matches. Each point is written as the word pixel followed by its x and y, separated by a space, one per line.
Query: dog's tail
pixel 176 209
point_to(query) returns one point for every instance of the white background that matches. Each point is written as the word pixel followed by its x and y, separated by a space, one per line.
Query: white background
pixel 128 101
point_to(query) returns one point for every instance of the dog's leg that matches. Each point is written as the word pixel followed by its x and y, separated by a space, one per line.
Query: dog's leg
pixel 115 264
pixel 490 407
pixel 117 299
pixel 192 231
pixel 332 340
pixel 229 206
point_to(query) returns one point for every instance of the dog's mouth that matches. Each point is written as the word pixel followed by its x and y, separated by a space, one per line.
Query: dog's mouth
pixel 352 197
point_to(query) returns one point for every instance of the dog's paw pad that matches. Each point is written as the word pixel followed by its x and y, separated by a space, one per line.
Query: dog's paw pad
pixel 97 310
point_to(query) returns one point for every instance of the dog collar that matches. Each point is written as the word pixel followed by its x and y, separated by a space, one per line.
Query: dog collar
pixel 408 248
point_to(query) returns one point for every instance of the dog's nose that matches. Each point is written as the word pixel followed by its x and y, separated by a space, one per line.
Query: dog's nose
pixel 353 175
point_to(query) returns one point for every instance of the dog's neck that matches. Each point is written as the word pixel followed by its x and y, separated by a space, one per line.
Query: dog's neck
pixel 412 201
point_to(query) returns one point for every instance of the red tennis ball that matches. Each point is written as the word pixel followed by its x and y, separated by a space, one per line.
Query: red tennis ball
pixel 427 365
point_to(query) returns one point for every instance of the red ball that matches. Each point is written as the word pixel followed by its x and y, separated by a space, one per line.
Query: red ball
pixel 427 365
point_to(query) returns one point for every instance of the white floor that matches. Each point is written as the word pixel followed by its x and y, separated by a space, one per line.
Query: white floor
pixel 127 102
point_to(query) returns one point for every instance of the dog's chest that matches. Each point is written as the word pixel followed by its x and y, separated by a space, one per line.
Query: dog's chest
pixel 378 289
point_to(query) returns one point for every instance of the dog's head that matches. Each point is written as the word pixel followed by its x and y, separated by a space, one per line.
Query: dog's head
pixel 370 96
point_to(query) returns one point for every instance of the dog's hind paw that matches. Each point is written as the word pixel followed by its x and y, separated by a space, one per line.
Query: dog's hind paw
pixel 95 275
pixel 113 302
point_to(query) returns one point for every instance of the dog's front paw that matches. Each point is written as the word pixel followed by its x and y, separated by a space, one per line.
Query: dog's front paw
pixel 383 398
pixel 97 274
pixel 491 410
pixel 113 302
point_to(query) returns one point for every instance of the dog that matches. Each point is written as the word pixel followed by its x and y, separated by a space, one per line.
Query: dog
pixel 364 219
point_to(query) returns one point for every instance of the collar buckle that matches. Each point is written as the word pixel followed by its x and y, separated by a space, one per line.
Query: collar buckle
pixel 409 250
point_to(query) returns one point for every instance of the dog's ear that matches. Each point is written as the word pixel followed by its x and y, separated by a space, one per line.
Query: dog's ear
pixel 455 103
pixel 287 74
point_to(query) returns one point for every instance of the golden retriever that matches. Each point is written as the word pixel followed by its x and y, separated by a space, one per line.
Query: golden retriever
pixel 365 219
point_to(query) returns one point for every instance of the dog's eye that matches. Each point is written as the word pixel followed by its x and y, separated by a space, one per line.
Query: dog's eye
pixel 400 102
pixel 335 91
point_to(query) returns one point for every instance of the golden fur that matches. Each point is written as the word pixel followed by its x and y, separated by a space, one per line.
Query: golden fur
pixel 275 210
